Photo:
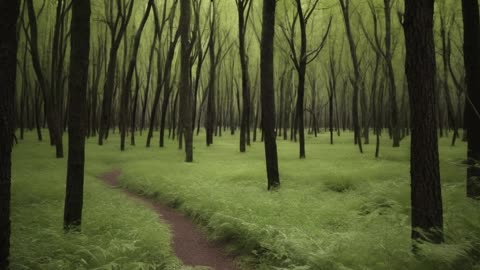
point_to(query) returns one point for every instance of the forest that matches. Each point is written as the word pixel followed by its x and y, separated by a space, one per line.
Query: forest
pixel 240 134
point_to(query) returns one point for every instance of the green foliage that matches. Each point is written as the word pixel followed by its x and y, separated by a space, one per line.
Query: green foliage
pixel 335 210
pixel 116 233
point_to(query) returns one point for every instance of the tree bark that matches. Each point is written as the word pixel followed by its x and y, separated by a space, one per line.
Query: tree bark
pixel 122 19
pixel 186 99
pixel 126 91
pixel 356 82
pixel 242 7
pixel 211 112
pixel 53 119
pixel 426 196
pixel 268 93
pixel 79 61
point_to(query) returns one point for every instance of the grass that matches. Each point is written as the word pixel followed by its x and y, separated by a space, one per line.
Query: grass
pixel 116 232
pixel 335 210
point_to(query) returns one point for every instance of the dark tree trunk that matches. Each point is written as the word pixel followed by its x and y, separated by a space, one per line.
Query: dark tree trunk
pixel 52 117
pixel 9 11
pixel 163 77
pixel 121 22
pixel 356 81
pixel 166 100
pixel 149 82
pixel 255 124
pixel 471 23
pixel 268 93
pixel 38 113
pixel 186 97
pixel 133 120
pixel 125 96
pixel 388 4
pixel 79 59
pixel 452 121
pixel 426 195
pixel 243 7
pixel 211 112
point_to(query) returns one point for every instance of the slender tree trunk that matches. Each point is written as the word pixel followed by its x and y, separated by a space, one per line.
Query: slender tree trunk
pixel 448 100
pixel 268 93
pixel 242 7
pixel 125 96
pixel 426 195
pixel 108 93
pixel 79 61
pixel 149 82
pixel 166 100
pixel 391 74
pixel 52 117
pixel 211 112
pixel 186 98
pixel 345 4
pixel 133 119
pixel 38 114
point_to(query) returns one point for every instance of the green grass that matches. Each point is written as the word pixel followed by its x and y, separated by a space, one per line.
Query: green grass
pixel 335 210
pixel 116 232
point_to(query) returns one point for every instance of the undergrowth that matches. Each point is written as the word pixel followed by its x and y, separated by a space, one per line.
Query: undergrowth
pixel 337 209
pixel 116 233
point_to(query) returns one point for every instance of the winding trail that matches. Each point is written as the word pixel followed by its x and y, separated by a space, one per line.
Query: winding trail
pixel 189 243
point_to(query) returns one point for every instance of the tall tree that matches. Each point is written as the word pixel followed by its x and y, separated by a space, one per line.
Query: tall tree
pixel 199 57
pixel 357 80
pixel 268 93
pixel 301 59
pixel 164 69
pixel 9 11
pixel 446 52
pixel 126 92
pixel 186 97
pixel 387 54
pixel 53 118
pixel 243 9
pixel 471 54
pixel 117 19
pixel 426 196
pixel 211 112
pixel 77 121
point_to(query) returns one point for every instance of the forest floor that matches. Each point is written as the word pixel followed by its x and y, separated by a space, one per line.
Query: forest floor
pixel 190 245
pixel 337 209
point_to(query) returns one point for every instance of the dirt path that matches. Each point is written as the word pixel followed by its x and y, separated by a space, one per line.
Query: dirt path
pixel 189 243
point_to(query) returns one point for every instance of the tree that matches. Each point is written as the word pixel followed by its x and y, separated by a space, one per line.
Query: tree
pixel 243 8
pixel 357 80
pixel 199 57
pixel 125 98
pixel 426 197
pixel 53 118
pixel 9 11
pixel 210 115
pixel 471 24
pixel 117 24
pixel 77 121
pixel 302 59
pixel 163 78
pixel 452 121
pixel 186 98
pixel 387 55
pixel 268 93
